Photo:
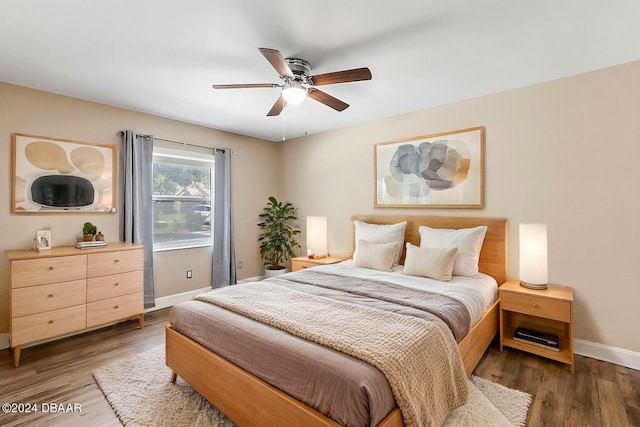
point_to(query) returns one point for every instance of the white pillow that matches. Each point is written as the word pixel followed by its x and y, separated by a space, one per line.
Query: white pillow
pixel 435 263
pixel 381 233
pixel 467 240
pixel 378 256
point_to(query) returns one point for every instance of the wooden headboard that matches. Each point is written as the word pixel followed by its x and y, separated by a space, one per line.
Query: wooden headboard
pixel 493 257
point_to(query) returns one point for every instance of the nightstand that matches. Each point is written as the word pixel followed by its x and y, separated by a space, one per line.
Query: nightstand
pixel 549 311
pixel 305 262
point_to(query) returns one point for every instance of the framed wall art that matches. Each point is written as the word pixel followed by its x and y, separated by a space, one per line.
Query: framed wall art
pixel 444 170
pixel 59 175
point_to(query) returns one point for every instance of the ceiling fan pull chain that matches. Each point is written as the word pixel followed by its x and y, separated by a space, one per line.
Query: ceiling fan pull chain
pixel 283 127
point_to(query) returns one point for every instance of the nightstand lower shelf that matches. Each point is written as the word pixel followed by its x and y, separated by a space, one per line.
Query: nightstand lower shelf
pixel 565 355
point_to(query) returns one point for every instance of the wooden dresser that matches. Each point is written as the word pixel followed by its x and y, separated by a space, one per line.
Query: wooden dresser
pixel 66 290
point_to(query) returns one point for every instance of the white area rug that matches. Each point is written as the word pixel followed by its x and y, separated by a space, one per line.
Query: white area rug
pixel 139 392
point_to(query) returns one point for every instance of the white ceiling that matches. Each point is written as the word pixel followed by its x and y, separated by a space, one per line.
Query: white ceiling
pixel 161 56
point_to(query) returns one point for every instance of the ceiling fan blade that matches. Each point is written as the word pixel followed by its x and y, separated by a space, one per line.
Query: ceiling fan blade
pixel 327 99
pixel 277 107
pixel 277 61
pixel 245 85
pixel 354 75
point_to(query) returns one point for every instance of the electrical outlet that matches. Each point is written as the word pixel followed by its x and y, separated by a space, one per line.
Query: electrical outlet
pixel 189 274
pixel 240 264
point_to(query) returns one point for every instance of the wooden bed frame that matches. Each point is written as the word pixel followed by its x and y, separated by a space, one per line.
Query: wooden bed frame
pixel 244 397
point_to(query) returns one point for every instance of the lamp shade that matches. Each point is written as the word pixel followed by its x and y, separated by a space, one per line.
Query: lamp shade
pixel 294 93
pixel 317 236
pixel 533 254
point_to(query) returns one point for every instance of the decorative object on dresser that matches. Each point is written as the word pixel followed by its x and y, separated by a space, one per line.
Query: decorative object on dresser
pixel 43 239
pixel 88 231
pixel 533 256
pixel 64 290
pixel 444 170
pixel 302 262
pixel 547 314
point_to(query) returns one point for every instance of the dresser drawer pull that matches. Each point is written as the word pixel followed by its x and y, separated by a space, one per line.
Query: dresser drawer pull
pixel 50 295
pixel 535 305
pixel 116 260
pixel 51 322
pixel 116 307
pixel 51 268
pixel 116 284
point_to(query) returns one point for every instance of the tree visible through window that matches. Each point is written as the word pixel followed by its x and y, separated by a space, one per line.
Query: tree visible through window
pixel 182 208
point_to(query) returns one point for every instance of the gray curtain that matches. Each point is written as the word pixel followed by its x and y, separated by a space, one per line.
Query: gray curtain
pixel 137 212
pixel 224 257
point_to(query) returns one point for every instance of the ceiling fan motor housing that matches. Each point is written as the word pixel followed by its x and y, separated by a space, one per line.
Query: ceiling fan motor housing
pixel 300 69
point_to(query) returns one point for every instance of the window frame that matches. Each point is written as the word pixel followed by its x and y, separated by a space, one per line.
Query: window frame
pixel 185 158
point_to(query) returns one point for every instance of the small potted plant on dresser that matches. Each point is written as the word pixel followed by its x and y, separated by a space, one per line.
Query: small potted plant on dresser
pixel 278 237
pixel 88 231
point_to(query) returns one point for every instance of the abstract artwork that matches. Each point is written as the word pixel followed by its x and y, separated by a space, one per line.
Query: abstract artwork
pixel 443 170
pixel 58 175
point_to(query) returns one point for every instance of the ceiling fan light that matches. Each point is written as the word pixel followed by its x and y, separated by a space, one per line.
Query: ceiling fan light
pixel 294 93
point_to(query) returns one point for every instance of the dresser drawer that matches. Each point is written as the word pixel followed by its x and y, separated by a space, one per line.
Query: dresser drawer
pixel 103 264
pixel 47 270
pixel 37 327
pixel 38 299
pixel 536 306
pixel 104 287
pixel 114 309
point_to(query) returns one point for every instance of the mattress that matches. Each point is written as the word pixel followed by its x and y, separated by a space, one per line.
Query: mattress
pixel 345 389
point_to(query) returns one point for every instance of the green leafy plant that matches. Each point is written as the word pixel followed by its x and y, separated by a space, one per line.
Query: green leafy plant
pixel 89 228
pixel 277 241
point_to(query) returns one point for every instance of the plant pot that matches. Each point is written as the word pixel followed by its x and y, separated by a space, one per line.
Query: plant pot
pixel 273 273
pixel 87 237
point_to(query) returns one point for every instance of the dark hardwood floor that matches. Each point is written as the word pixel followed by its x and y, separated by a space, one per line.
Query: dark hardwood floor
pixel 59 372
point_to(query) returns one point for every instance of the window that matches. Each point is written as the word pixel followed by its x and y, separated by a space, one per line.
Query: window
pixel 182 210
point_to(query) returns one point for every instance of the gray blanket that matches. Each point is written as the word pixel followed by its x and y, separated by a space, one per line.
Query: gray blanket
pixel 417 354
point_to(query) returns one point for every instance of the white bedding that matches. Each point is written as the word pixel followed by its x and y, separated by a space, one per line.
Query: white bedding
pixel 477 292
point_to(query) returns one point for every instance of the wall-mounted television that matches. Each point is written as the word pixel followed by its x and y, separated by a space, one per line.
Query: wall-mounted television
pixel 62 191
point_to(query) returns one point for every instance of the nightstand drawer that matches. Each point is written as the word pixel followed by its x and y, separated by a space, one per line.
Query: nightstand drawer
pixel 536 306
pixel 299 265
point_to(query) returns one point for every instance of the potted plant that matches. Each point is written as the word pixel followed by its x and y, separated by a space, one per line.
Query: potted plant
pixel 277 241
pixel 88 231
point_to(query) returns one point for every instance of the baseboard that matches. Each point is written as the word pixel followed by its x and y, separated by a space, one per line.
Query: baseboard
pixel 615 355
pixel 4 341
pixel 171 300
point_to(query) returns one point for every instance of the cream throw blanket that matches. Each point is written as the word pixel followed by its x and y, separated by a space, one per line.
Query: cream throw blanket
pixel 419 357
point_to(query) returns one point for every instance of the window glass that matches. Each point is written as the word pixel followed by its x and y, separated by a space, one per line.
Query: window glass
pixel 182 208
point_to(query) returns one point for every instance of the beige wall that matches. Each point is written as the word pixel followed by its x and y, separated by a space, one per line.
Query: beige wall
pixel 39 113
pixel 563 153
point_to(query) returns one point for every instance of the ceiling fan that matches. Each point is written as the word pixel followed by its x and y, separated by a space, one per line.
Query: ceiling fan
pixel 298 84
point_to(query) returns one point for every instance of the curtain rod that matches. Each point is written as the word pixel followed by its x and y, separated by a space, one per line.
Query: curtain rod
pixel 188 144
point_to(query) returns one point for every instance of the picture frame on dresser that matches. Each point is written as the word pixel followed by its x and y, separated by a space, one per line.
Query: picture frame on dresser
pixel 43 239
